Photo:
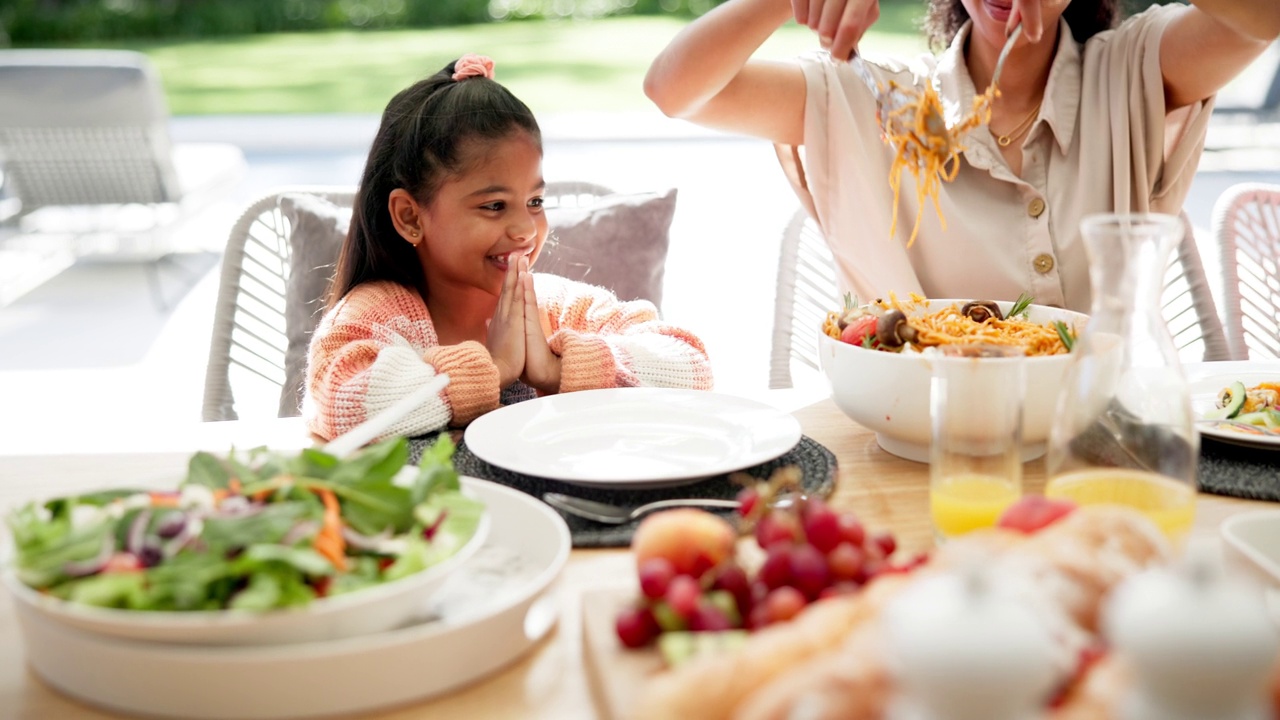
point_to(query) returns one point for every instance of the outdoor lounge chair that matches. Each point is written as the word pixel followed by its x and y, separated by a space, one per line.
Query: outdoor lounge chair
pixel 279 259
pixel 807 289
pixel 87 158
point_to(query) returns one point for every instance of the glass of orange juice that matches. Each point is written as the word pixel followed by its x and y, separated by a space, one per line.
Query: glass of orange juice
pixel 975 460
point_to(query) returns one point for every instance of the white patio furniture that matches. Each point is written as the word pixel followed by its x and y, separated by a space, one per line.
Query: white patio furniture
pixel 1246 226
pixel 88 162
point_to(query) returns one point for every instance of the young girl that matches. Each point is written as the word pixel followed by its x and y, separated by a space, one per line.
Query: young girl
pixel 433 278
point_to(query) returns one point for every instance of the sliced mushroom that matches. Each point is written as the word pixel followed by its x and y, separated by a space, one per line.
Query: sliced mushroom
pixel 981 311
pixel 893 331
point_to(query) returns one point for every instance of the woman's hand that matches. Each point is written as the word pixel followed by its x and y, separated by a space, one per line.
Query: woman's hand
pixel 840 24
pixel 541 366
pixel 1028 13
pixel 506 338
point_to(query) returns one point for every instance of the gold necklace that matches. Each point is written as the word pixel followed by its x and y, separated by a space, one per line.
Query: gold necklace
pixel 1004 140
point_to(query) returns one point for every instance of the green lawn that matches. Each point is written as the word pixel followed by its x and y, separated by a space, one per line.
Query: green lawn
pixel 553 66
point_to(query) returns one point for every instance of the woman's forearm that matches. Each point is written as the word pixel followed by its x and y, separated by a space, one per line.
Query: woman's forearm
pixel 1257 19
pixel 705 56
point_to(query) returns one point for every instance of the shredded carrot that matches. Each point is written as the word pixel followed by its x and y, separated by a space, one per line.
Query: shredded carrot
pixel 164 500
pixel 329 542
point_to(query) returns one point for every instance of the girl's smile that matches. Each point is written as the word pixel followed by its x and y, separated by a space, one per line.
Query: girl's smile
pixel 503 261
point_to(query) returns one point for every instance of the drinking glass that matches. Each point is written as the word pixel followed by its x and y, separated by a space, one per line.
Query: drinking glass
pixel 1124 432
pixel 975 457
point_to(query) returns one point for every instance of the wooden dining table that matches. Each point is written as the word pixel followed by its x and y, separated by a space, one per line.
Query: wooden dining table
pixel 551 681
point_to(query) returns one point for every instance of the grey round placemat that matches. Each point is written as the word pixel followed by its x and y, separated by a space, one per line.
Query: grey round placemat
pixel 817 467
pixel 1239 471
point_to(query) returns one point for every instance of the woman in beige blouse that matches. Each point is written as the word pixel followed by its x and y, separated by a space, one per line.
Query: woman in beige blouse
pixel 1090 119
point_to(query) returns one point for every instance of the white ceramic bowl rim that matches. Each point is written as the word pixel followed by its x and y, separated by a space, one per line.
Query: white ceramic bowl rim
pixel 179 619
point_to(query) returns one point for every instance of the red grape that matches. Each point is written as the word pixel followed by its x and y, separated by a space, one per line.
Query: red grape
pixel 784 603
pixel 683 594
pixel 822 526
pixel 845 561
pixel 759 617
pixel 851 529
pixel 709 618
pixel 808 570
pixel 636 627
pixel 777 527
pixel 887 543
pixel 655 576
pixel 731 578
pixel 776 570
pixel 747 500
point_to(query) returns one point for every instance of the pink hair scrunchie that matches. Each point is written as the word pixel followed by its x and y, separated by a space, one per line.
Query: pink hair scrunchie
pixel 471 65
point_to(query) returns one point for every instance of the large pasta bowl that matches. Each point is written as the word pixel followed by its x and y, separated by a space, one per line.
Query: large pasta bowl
pixel 888 392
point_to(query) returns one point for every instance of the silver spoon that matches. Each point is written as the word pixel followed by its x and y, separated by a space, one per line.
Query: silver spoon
pixel 617 515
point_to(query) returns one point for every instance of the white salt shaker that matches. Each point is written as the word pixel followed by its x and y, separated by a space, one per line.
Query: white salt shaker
pixel 963 648
pixel 1200 643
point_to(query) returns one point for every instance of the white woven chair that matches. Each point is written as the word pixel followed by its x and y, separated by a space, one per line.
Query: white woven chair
pixel 246 368
pixel 807 289
pixel 90 128
pixel 1246 226
pixel 87 158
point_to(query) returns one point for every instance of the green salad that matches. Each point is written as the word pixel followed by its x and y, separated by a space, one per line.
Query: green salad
pixel 266 530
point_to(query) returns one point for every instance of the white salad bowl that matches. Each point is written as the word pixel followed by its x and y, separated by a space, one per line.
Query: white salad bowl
pixel 360 612
pixel 888 392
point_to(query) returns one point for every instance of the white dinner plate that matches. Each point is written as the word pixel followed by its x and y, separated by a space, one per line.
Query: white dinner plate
pixel 639 437
pixel 488 614
pixel 1206 381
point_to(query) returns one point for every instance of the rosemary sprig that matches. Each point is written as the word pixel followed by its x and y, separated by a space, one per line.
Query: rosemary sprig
pixel 1020 305
pixel 1064 333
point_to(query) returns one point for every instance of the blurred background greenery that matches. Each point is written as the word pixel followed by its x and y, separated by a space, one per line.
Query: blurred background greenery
pixel 330 56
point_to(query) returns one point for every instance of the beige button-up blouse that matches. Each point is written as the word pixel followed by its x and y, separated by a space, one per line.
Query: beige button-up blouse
pixel 1102 142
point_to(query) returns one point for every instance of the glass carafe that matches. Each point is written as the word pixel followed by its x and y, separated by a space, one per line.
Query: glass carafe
pixel 1124 432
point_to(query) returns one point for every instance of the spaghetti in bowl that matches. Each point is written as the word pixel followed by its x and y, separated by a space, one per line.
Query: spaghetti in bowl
pixel 886 389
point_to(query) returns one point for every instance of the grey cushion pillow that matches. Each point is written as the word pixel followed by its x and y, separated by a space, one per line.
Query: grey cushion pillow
pixel 317 228
pixel 619 242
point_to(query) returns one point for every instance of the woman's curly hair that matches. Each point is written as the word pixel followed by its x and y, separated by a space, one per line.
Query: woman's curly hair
pixel 1086 18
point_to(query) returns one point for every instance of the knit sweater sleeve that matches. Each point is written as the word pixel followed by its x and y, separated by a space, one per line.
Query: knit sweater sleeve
pixel 604 342
pixel 379 344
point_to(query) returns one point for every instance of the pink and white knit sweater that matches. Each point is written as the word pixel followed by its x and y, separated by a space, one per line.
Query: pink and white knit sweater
pixel 379 343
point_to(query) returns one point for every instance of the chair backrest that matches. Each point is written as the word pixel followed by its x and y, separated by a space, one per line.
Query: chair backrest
pixel 84 127
pixel 1246 225
pixel 807 289
pixel 1188 306
pixel 247 366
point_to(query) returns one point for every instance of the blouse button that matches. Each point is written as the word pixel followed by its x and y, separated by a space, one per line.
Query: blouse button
pixel 1035 208
pixel 1043 263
